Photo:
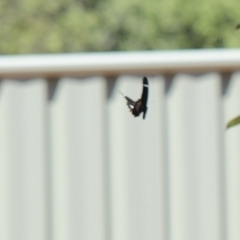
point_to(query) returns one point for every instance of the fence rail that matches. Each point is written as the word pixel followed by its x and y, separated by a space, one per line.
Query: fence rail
pixel 118 63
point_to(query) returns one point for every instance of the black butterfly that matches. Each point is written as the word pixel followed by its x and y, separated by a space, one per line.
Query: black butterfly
pixel 140 105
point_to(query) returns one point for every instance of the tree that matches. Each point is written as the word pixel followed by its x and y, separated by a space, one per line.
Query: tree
pixel 109 25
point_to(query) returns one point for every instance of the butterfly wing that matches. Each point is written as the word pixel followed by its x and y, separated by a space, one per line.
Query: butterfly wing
pixel 144 97
pixel 134 107
pixel 138 108
pixel 130 103
pixel 145 92
pixel 144 112
pixel 141 105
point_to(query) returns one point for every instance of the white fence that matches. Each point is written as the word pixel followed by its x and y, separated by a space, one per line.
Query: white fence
pixel 75 164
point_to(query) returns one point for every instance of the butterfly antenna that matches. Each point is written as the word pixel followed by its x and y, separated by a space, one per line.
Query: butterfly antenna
pixel 121 93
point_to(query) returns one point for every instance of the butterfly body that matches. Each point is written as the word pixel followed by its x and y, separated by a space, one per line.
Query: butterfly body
pixel 139 106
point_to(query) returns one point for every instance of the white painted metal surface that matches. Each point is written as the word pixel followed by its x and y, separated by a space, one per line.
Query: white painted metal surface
pixel 117 63
pixel 23 162
pixel 75 164
pixel 195 157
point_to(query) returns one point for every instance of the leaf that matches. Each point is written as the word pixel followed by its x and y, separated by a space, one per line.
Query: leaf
pixel 233 122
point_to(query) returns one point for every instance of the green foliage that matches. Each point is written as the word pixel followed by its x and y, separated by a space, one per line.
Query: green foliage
pixel 233 122
pixel 40 26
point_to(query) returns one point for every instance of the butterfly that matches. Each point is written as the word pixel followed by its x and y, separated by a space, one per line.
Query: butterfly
pixel 140 105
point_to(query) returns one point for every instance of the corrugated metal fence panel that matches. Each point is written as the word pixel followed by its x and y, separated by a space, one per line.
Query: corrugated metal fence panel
pixel 136 161
pixel 232 163
pixel 77 142
pixel 75 164
pixel 23 212
pixel 194 157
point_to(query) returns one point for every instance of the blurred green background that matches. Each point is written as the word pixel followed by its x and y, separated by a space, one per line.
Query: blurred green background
pixel 39 26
